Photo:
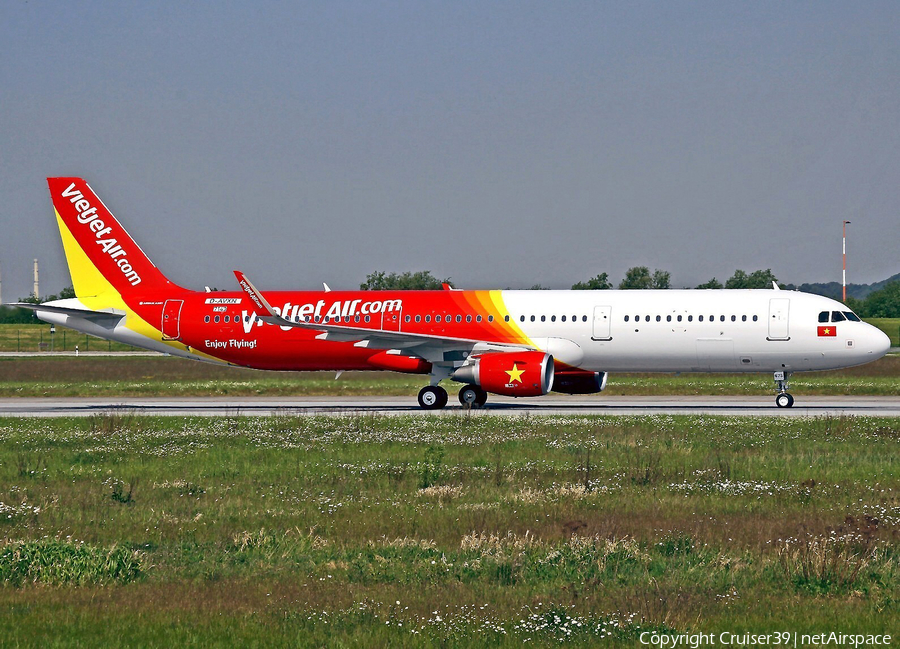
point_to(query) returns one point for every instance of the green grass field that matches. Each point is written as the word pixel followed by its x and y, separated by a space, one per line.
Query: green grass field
pixel 445 532
pixel 59 376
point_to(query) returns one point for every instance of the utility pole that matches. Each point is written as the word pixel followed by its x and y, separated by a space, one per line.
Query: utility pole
pixel 1 291
pixel 844 247
pixel 37 290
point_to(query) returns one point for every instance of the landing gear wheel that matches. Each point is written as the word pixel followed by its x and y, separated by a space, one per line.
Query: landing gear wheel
pixel 432 397
pixel 472 396
pixel 784 400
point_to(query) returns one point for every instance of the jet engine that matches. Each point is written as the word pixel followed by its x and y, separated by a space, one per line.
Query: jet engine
pixel 579 382
pixel 514 374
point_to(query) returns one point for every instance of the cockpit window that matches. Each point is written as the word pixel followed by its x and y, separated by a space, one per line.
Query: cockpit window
pixel 852 317
pixel 823 316
pixel 837 316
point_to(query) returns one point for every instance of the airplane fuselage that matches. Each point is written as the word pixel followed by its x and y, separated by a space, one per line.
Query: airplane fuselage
pixel 607 331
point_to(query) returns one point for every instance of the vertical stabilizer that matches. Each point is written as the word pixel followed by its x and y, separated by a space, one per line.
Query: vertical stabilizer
pixel 103 259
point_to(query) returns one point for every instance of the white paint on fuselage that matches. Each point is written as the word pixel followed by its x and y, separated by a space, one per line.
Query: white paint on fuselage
pixel 732 345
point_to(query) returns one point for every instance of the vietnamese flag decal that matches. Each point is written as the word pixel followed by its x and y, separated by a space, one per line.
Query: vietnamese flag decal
pixel 827 331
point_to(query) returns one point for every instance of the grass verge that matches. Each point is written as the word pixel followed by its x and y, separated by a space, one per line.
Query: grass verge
pixel 153 376
pixel 451 531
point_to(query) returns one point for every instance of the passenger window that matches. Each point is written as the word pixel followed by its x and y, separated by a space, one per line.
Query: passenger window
pixel 722 318
pixel 368 318
pixel 823 316
pixel 734 318
pixel 690 318
pixel 477 319
pixel 553 318
pixel 532 318
pixel 646 318
pixel 563 318
pixel 658 318
pixel 521 318
pixel 755 318
pixel 459 318
pixel 216 319
pixel 584 318
pixel 407 319
pixel 543 318
pixel 679 318
pixel 700 318
pixel 626 318
pixel 743 318
pixel 437 318
pixel 837 316
pixel 206 319
pixel 668 318
pixel 428 318
pixel 852 317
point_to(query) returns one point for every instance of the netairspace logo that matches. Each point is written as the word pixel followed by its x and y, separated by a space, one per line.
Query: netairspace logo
pixel 783 638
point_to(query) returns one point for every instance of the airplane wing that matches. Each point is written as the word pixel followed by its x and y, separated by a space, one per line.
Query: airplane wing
pixel 428 346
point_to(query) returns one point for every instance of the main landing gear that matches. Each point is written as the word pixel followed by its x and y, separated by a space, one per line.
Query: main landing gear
pixel 434 397
pixel 472 396
pixel 783 399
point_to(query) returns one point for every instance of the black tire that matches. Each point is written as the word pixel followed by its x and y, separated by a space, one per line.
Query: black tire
pixel 468 396
pixel 482 398
pixel 784 400
pixel 432 397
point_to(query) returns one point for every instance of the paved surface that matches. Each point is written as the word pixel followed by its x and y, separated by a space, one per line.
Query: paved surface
pixel 549 405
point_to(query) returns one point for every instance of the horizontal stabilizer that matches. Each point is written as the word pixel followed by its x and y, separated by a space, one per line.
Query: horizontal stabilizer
pixel 74 311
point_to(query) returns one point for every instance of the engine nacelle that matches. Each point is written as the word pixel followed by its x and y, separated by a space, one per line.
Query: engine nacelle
pixel 579 382
pixel 514 374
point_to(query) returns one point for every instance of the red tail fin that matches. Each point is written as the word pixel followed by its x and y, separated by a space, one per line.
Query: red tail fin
pixel 100 253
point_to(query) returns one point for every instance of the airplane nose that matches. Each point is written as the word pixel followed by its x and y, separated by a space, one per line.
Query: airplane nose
pixel 879 342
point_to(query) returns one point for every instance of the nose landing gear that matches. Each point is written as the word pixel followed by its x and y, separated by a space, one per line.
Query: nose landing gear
pixel 783 399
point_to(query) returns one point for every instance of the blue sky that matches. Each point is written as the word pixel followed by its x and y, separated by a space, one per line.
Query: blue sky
pixel 501 144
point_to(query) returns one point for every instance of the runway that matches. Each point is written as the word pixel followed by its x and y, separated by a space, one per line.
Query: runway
pixel 830 406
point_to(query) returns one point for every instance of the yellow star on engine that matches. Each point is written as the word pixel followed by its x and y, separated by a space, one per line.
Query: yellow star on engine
pixel 515 374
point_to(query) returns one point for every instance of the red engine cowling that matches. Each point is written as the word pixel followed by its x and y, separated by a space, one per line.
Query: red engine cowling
pixel 579 382
pixel 514 374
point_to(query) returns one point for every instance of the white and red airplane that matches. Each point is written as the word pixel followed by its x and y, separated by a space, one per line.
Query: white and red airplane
pixel 516 343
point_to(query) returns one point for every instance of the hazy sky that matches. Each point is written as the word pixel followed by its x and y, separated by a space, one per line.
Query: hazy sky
pixel 502 144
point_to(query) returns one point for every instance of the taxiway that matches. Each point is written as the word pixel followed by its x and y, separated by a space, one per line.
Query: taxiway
pixel 811 406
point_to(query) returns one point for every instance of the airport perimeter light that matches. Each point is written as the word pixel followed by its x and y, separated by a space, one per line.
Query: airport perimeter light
pixel 844 247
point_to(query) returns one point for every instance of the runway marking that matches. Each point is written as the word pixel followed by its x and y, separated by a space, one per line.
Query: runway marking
pixel 397 406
